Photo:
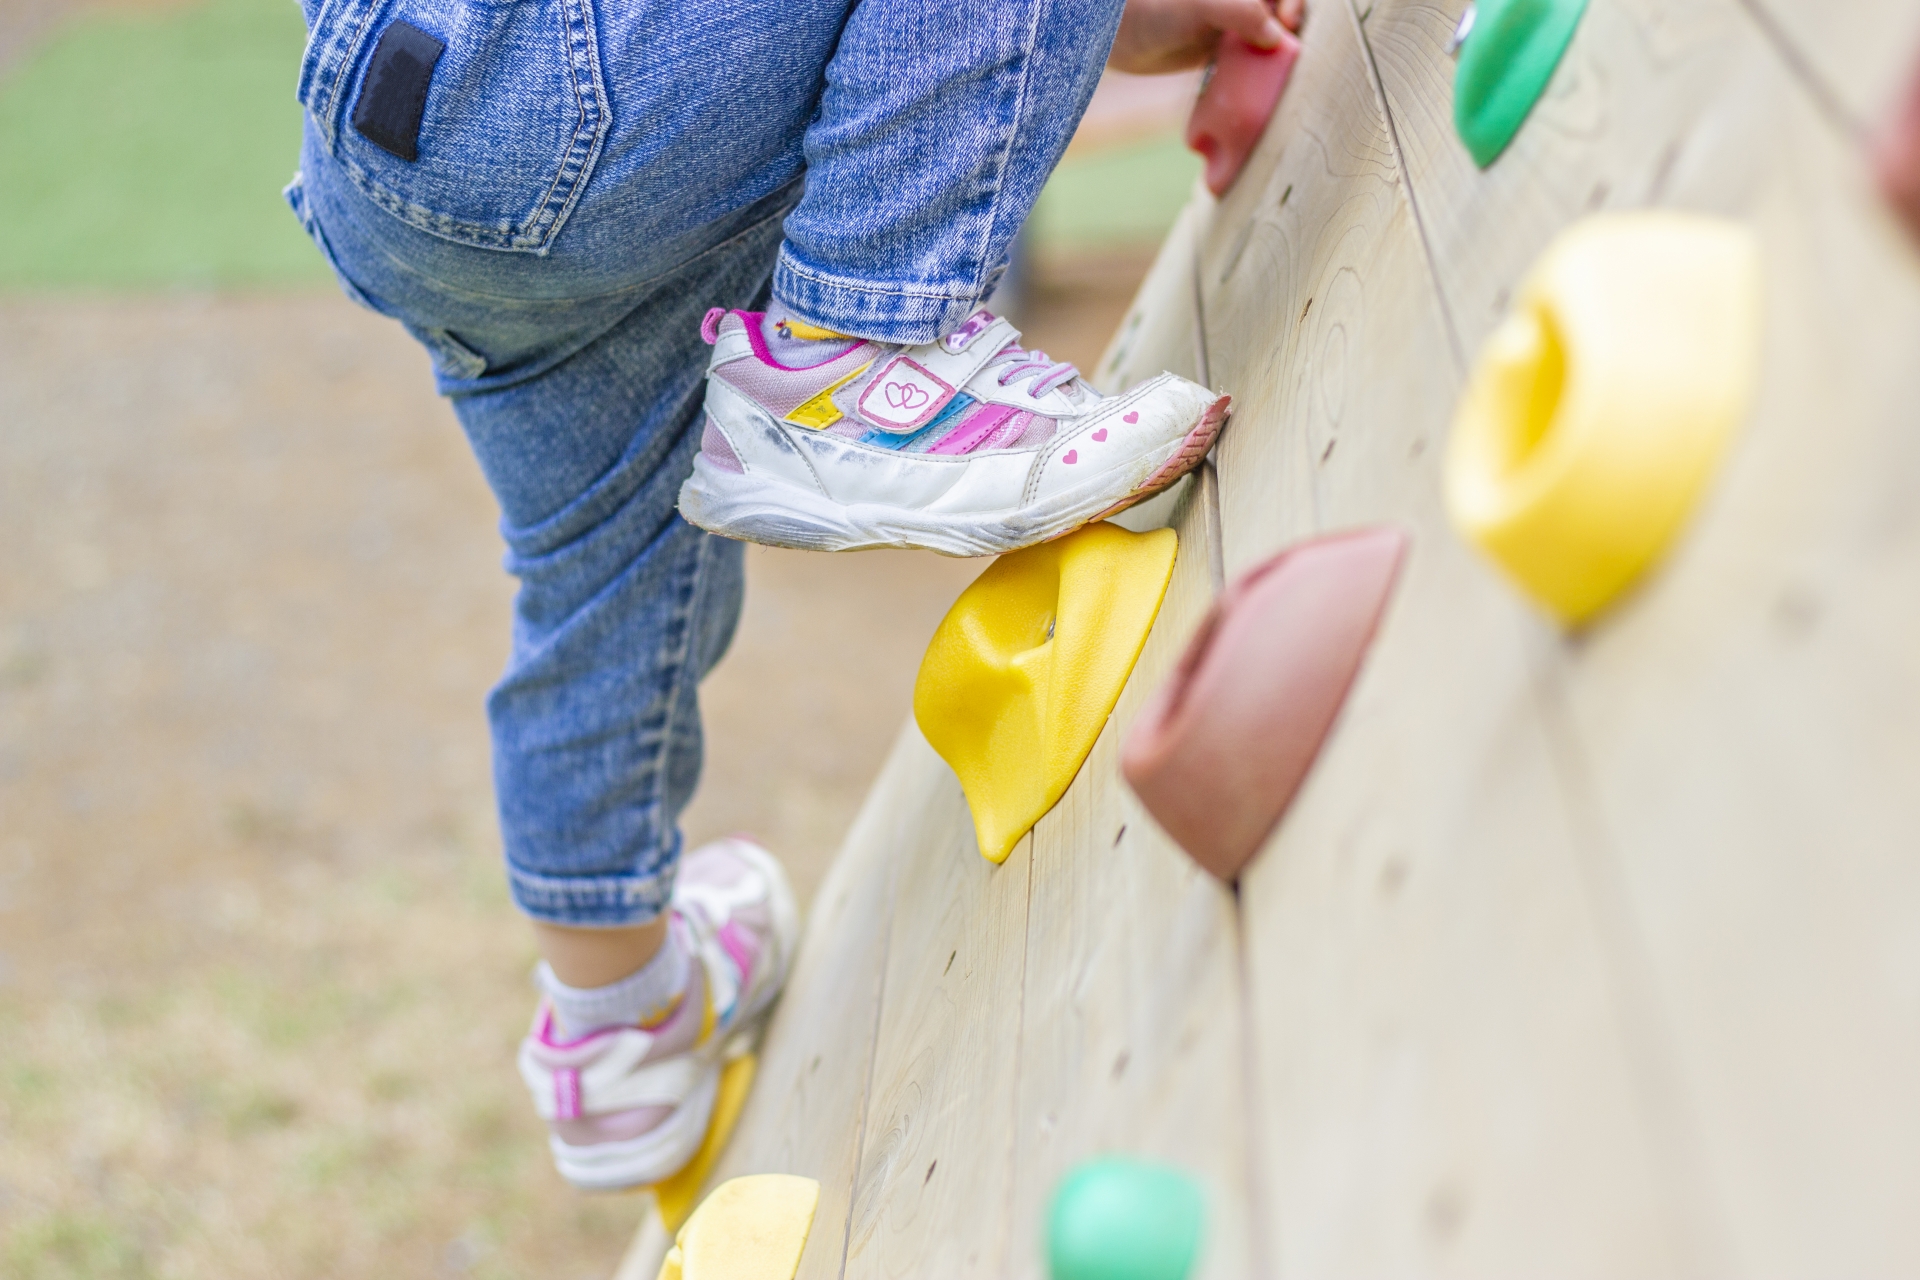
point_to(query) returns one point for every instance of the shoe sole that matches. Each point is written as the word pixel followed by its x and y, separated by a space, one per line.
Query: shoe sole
pixel 665 1149
pixel 782 515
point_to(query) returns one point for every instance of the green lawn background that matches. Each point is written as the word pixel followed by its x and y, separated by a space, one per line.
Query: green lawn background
pixel 148 151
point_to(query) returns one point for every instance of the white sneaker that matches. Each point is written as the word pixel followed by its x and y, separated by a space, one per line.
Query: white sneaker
pixel 629 1106
pixel 969 446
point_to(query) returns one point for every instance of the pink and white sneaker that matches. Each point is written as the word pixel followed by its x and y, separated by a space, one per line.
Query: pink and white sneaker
pixel 628 1106
pixel 969 446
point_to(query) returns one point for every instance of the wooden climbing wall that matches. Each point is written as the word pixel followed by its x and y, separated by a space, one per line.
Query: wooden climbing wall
pixel 1575 957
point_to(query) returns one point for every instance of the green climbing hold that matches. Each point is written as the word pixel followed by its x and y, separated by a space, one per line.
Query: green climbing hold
pixel 1509 54
pixel 1124 1220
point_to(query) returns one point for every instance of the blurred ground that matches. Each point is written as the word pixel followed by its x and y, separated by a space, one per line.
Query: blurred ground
pixel 259 979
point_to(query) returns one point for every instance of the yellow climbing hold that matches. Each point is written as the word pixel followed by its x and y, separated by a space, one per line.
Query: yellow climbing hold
pixel 752 1228
pixel 1027 665
pixel 677 1196
pixel 1600 407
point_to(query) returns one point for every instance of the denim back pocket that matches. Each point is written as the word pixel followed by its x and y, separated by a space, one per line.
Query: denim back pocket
pixel 514 116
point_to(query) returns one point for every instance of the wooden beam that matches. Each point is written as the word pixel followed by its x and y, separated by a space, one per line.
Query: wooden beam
pixel 1446 1080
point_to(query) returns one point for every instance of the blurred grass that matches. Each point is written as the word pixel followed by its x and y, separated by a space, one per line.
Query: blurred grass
pixel 147 151
pixel 1121 196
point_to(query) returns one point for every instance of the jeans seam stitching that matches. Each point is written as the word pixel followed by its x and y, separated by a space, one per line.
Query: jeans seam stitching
pixel 1005 154
pixel 593 126
pixel 343 54
pixel 683 621
pixel 788 263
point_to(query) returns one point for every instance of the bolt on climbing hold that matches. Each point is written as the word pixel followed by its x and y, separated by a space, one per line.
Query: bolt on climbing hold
pixel 1218 752
pixel 1508 50
pixel 1025 668
pixel 752 1228
pixel 1124 1220
pixel 1242 88
pixel 1896 156
pixel 1461 32
pixel 1600 407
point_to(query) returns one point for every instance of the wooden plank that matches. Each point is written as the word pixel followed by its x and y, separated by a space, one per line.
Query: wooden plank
pixel 1447 1079
pixel 1700 747
pixel 1746 730
pixel 1160 329
pixel 1622 115
pixel 804 1113
pixel 936 1161
pixel 1310 275
pixel 1131 1038
pixel 1854 55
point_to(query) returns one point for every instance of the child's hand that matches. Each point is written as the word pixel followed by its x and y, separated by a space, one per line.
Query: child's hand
pixel 1172 35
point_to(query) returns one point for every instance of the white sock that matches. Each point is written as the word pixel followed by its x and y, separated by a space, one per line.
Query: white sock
pixel 798 352
pixel 642 998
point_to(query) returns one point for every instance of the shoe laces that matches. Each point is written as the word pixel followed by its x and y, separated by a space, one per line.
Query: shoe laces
pixel 1016 362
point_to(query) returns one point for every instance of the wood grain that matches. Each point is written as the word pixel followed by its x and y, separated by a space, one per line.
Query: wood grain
pixel 1746 730
pixel 1447 1078
pixel 932 1195
pixel 1621 116
pixel 805 1112
pixel 1159 333
pixel 1131 1039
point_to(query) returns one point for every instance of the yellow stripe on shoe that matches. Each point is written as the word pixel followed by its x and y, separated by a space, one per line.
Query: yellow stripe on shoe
pixel 804 332
pixel 820 412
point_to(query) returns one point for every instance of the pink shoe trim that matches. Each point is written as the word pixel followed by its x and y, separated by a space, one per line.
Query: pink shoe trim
pixel 1185 458
pixel 974 429
pixel 546 1031
pixel 961 338
pixel 714 443
pixel 710 327
pixel 566 1094
pixel 742 947
pixel 1021 429
pixel 1192 449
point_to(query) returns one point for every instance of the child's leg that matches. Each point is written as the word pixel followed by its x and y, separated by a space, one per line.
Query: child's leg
pixel 597 957
pixel 584 414
pixel 938 127
pixel 876 404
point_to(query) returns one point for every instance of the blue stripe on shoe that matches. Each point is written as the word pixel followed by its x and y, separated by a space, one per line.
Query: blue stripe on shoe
pixel 928 435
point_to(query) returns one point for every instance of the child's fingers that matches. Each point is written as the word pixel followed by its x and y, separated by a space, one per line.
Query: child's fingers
pixel 1251 20
pixel 1292 14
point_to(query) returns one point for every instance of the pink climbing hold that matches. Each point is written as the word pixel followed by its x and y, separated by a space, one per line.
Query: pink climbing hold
pixel 1218 752
pixel 1234 107
pixel 1896 156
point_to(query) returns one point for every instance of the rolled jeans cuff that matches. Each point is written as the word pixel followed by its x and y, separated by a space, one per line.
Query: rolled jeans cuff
pixel 877 311
pixel 590 902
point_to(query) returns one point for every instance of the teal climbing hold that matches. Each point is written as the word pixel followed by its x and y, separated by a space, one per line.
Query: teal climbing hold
pixel 1510 50
pixel 1124 1220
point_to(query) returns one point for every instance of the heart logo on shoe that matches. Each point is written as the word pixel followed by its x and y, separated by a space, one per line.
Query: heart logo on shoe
pixel 904 395
pixel 1072 456
pixel 1132 417
pixel 1101 434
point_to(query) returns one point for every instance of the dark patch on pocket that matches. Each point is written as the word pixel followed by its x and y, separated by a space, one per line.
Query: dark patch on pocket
pixel 393 97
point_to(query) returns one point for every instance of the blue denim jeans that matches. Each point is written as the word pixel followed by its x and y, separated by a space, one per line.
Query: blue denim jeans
pixel 587 179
